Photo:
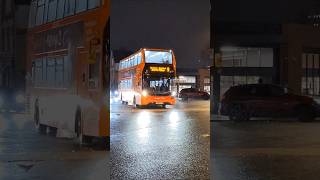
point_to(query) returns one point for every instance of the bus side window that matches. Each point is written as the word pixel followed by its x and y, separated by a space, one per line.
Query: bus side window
pixel 139 59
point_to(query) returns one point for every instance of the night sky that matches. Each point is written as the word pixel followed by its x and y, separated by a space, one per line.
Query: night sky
pixel 183 25
pixel 265 11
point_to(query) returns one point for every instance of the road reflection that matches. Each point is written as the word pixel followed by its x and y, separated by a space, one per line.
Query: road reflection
pixel 156 142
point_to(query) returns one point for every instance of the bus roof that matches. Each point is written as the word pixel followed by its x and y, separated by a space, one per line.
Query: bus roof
pixel 145 49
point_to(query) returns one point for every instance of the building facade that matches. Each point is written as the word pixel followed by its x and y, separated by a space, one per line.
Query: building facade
pixel 7 36
pixel 186 78
pixel 204 79
pixel 13 29
pixel 253 44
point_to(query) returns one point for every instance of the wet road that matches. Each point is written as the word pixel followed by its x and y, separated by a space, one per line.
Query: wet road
pixel 168 143
pixel 25 154
pixel 264 150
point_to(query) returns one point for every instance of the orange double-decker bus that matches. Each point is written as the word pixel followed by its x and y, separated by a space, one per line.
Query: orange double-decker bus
pixel 68 68
pixel 146 78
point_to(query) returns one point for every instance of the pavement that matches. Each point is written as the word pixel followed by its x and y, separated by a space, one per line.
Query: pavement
pixel 269 149
pixel 25 154
pixel 157 143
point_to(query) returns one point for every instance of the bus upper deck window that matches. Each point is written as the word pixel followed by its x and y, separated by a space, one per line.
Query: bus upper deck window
pixel 158 57
pixel 93 4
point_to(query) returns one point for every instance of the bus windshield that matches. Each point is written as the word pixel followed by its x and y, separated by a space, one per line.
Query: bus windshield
pixel 158 57
pixel 157 85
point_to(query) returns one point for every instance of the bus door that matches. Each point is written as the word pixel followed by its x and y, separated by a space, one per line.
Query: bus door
pixel 82 72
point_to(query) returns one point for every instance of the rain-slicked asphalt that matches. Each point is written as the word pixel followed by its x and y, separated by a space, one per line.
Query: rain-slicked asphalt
pixel 155 143
pixel 265 150
pixel 25 154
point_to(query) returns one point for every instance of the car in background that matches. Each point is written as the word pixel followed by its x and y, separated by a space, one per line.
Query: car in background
pixel 194 94
pixel 12 100
pixel 266 100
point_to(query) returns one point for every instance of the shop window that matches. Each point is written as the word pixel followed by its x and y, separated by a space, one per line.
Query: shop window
pixel 207 89
pixel 206 81
pixel 187 79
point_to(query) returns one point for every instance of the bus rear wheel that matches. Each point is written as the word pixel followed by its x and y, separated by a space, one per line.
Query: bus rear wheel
pixel 42 129
pixel 121 99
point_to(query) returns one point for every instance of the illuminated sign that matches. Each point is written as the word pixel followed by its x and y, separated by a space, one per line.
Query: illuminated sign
pixel 159 69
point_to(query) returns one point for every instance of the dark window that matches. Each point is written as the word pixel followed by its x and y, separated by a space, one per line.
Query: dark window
pixel 52 12
pixel 69 7
pixel 261 91
pixel 276 91
pixel 38 72
pixel 60 8
pixel 81 5
pixel 50 72
pixel 40 12
pixel 32 15
pixel 93 4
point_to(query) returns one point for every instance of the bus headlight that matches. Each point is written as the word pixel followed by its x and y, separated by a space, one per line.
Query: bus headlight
pixel 20 99
pixel 144 93
pixel 173 93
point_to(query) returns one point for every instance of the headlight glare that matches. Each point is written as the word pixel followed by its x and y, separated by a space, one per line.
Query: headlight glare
pixel 144 93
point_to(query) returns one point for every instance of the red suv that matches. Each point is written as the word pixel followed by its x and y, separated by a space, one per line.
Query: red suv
pixel 193 93
pixel 266 100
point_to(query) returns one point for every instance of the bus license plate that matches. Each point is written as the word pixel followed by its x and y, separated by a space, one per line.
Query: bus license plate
pixel 159 103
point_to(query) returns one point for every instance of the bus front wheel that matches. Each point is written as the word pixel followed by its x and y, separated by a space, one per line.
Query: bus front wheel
pixel 135 105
